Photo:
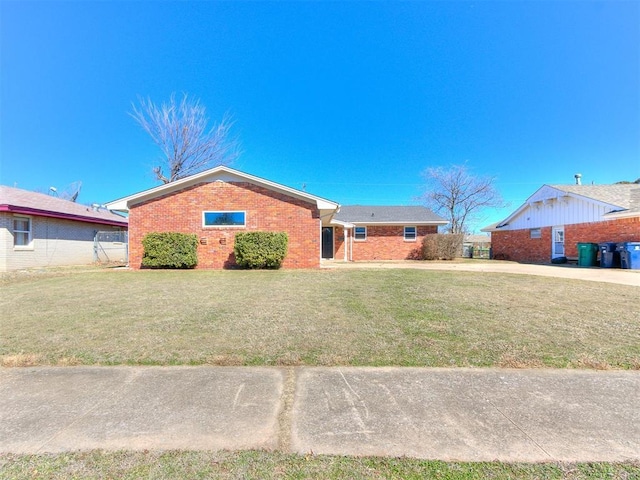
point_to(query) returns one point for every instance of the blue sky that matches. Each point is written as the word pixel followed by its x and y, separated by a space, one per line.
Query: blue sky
pixel 352 100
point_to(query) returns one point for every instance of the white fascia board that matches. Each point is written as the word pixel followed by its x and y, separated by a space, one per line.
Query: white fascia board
pixel 222 173
pixel 491 228
pixel 564 193
pixel 559 193
pixel 592 200
pixel 346 225
pixel 321 203
pixel 123 204
pixel 407 222
pixel 621 214
pixel 527 203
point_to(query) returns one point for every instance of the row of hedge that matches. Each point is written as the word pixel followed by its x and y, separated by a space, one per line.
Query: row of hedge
pixel 262 249
pixel 179 250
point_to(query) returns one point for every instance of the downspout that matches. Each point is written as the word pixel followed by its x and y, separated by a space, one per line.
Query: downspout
pixel 345 233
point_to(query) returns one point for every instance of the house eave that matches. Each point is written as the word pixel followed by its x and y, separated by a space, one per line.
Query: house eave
pixel 420 223
pixel 125 203
pixel 59 215
pixel 621 214
pixel 342 223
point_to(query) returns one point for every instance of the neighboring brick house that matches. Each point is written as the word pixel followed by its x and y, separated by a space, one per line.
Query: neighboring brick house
pixel 556 218
pixel 363 232
pixel 218 203
pixel 38 230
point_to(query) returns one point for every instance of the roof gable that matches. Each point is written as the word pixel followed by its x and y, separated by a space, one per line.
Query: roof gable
pixel 221 173
pixel 388 215
pixel 612 200
pixel 24 202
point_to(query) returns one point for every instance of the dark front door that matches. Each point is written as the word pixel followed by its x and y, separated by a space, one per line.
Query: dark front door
pixel 327 242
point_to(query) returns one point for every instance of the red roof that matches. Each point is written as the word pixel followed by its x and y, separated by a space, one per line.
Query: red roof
pixel 15 200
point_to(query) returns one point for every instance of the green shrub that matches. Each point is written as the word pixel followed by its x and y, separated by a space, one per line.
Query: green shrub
pixel 170 250
pixel 260 249
pixel 442 246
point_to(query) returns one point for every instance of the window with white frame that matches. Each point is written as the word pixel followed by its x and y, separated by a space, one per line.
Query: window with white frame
pixel 410 234
pixel 223 219
pixel 535 233
pixel 360 233
pixel 21 231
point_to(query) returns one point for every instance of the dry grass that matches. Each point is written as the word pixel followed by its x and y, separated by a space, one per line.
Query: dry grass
pixel 338 317
pixel 275 465
pixel 20 360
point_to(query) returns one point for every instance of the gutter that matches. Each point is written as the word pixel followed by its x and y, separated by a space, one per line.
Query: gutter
pixel 62 216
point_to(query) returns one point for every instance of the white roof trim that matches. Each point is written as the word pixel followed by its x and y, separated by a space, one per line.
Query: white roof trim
pixel 123 204
pixel 621 214
pixel 407 222
pixel 341 223
pixel 561 193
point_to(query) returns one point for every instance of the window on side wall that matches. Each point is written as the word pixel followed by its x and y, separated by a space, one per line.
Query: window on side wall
pixel 223 219
pixel 535 233
pixel 410 234
pixel 21 232
pixel 360 233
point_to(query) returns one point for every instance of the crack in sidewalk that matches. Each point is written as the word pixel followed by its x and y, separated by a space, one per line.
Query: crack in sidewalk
pixel 285 416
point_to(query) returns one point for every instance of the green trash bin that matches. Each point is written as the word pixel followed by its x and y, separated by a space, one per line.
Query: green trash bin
pixel 587 254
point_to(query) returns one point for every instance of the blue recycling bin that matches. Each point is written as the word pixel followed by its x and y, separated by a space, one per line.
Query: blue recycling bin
pixel 629 255
pixel 609 256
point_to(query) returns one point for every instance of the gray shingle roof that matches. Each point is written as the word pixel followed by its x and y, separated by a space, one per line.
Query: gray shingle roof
pixel 23 201
pixel 626 196
pixel 366 214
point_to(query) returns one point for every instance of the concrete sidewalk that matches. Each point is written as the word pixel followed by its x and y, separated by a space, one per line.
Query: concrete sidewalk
pixel 569 271
pixel 447 414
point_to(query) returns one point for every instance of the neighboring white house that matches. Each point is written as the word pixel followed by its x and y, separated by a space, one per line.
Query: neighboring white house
pixel 38 230
pixel 556 218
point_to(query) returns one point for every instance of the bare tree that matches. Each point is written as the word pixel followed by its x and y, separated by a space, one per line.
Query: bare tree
pixel 458 195
pixel 180 130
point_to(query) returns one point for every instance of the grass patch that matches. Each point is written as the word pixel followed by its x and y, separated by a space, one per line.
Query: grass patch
pixel 273 465
pixel 374 317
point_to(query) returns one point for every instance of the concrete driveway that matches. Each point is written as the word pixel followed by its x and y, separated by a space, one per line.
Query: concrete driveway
pixel 447 414
pixel 592 274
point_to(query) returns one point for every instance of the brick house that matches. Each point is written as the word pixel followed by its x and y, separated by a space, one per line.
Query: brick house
pixel 38 230
pixel 556 218
pixel 218 203
pixel 363 232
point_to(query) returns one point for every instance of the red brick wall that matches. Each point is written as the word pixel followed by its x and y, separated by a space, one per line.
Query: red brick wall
pixel 265 211
pixel 383 243
pixel 339 236
pixel 623 230
pixel 517 245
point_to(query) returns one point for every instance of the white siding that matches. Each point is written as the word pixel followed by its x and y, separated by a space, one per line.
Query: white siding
pixel 6 239
pixel 55 242
pixel 550 207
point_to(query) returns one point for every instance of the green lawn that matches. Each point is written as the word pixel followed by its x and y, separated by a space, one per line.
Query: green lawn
pixel 322 317
pixel 273 465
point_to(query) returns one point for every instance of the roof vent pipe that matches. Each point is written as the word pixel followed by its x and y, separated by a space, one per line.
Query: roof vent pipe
pixel 578 176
